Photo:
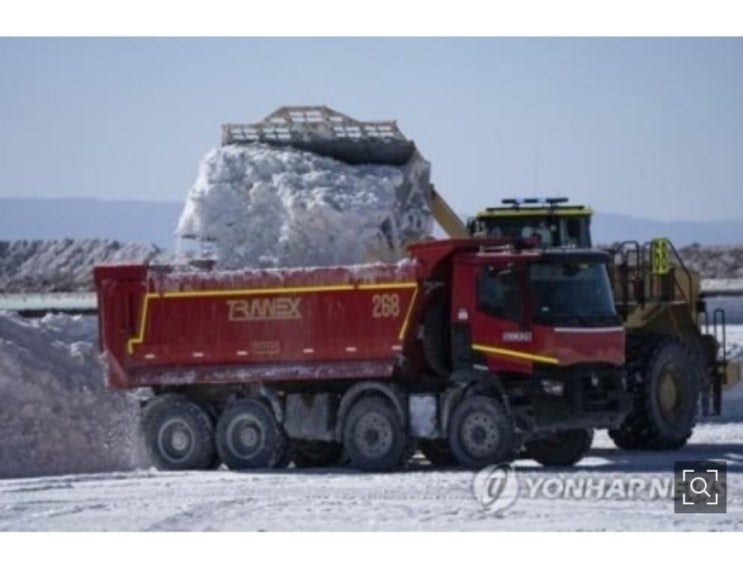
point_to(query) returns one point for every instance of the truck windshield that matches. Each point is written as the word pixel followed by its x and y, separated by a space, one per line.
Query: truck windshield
pixel 571 294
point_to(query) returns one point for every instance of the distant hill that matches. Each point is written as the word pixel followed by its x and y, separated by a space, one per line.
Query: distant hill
pixel 144 222
pixel 137 222
pixel 607 228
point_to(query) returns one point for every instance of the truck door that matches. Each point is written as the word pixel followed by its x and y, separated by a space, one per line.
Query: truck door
pixel 501 333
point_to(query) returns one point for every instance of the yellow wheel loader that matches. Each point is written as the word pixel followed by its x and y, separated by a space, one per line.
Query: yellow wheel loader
pixel 675 358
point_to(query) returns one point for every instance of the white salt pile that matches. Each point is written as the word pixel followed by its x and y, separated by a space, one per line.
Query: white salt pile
pixel 57 416
pixel 263 206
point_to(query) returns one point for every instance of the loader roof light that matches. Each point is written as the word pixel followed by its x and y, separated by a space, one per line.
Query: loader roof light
pixel 534 201
pixel 519 206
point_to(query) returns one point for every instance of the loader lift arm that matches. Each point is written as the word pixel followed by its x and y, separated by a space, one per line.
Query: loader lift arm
pixel 445 216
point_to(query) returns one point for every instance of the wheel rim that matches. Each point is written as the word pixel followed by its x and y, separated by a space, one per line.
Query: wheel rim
pixel 669 393
pixel 373 435
pixel 479 434
pixel 244 437
pixel 175 440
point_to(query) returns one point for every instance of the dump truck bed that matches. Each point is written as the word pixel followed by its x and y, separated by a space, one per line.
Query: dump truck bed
pixel 160 326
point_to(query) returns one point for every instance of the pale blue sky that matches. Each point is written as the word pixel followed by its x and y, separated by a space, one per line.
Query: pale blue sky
pixel 651 127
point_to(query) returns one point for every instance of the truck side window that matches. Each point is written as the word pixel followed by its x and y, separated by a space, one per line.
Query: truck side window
pixel 498 293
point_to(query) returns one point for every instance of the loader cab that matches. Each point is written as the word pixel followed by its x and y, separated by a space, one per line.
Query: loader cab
pixel 554 222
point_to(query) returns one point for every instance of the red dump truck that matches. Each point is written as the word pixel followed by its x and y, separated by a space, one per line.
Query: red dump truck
pixel 471 350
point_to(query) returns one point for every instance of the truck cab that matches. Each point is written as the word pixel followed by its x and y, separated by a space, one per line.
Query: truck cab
pixel 545 324
pixel 673 343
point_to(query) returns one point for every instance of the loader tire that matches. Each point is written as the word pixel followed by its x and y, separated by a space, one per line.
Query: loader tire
pixel 437 451
pixel 665 401
pixel 374 436
pixel 482 432
pixel 436 343
pixel 561 449
pixel 308 454
pixel 179 434
pixel 249 437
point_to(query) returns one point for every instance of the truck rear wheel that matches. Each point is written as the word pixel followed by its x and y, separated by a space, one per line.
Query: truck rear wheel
pixel 437 451
pixel 482 433
pixel 561 449
pixel 665 401
pixel 374 436
pixel 248 437
pixel 179 434
pixel 316 453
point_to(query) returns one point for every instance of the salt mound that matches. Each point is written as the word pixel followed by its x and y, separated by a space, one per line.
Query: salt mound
pixel 263 206
pixel 57 416
pixel 65 265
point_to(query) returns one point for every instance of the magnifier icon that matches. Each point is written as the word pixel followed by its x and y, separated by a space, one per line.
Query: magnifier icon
pixel 705 487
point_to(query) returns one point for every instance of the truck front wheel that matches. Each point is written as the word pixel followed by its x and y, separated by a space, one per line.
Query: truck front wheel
pixel 561 449
pixel 374 436
pixel 248 437
pixel 481 433
pixel 179 434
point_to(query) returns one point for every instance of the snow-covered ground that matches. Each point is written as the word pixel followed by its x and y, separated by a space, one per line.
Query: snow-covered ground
pixel 57 418
pixel 340 499
pixel 723 285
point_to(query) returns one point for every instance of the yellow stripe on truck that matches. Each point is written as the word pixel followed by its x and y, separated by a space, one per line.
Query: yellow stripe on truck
pixel 139 338
pixel 363 287
pixel 405 322
pixel 515 354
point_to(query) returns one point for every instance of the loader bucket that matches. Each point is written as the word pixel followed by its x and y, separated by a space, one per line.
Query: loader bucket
pixel 322 130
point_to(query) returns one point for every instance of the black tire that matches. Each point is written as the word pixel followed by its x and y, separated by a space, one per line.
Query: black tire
pixel 179 434
pixel 213 414
pixel 665 400
pixel 307 454
pixel 482 432
pixel 373 435
pixel 437 451
pixel 626 438
pixel 285 458
pixel 561 449
pixel 436 340
pixel 249 437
